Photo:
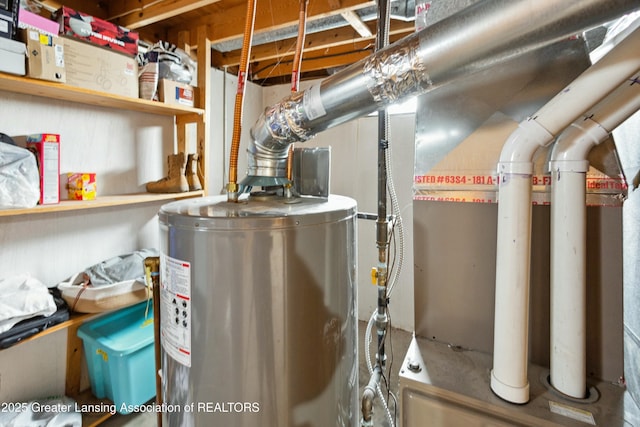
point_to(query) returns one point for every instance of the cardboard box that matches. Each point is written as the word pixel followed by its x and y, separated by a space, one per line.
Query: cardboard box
pixel 97 31
pixel 45 55
pixel 81 186
pixel 12 56
pixel 91 67
pixel 46 148
pixel 171 92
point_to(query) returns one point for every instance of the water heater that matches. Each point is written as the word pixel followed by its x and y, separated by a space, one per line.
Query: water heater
pixel 258 312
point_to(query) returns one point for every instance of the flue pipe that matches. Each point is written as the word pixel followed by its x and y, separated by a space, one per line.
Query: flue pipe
pixel 416 64
pixel 515 168
pixel 569 166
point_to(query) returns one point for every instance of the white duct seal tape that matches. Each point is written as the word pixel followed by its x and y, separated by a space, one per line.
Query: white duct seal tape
pixel 313 103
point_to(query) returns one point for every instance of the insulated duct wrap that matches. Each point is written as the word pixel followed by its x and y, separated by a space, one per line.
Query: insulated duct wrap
pixel 414 65
pixel 286 122
pixel 394 74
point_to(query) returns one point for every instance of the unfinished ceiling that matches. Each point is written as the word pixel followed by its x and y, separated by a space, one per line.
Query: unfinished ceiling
pixel 339 32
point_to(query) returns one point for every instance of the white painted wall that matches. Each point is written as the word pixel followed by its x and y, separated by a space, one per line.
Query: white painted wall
pixel 223 94
pixel 125 150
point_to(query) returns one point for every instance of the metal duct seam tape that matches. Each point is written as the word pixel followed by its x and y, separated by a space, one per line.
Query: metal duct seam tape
pixel 395 73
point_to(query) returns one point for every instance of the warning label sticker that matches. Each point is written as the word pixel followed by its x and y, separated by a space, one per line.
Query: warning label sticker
pixel 175 305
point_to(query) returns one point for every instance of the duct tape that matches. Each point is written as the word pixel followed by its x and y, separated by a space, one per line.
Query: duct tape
pixel 313 103
pixel 394 73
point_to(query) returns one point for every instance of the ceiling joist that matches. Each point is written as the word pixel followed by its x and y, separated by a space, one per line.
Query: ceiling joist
pixel 343 30
pixel 313 43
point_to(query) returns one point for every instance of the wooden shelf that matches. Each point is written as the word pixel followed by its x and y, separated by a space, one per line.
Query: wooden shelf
pixel 59 91
pixel 101 202
pixel 90 418
pixel 74 319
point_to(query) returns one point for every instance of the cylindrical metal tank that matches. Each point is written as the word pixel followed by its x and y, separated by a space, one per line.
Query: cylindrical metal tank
pixel 258 312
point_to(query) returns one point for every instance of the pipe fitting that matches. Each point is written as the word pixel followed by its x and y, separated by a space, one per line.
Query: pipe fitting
pixel 367 407
pixel 232 192
pixel 518 150
pixel 368 396
pixel 573 145
pixel 382 320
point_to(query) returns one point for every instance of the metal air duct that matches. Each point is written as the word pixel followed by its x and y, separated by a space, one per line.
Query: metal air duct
pixel 417 64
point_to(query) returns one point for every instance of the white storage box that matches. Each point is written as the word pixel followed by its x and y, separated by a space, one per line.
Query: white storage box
pixel 12 56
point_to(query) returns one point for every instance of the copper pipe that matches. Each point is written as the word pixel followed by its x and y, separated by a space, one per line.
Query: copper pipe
pixel 232 187
pixel 297 66
pixel 297 59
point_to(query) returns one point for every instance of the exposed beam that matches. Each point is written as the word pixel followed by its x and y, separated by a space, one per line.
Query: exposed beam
pixel 92 8
pixel 134 14
pixel 338 56
pixel 273 15
pixel 354 20
pixel 313 42
pixel 311 64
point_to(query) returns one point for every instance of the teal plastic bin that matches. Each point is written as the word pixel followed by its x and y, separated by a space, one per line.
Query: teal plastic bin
pixel 120 356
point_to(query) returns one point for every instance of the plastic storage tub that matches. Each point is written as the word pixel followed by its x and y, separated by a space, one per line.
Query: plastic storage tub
pixel 120 356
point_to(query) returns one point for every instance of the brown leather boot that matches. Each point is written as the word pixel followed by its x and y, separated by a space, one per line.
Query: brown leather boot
pixel 192 173
pixel 175 181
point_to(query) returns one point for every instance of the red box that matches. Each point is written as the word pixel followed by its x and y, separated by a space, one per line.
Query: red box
pixel 46 148
pixel 97 31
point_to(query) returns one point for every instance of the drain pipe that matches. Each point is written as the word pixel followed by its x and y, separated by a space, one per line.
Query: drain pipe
pixel 511 341
pixel 569 166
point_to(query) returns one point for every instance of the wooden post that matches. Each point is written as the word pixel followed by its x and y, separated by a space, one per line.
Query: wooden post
pixel 203 99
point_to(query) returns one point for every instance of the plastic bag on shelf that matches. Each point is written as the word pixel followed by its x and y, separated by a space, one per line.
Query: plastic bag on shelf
pixel 173 63
pixel 23 297
pixel 19 177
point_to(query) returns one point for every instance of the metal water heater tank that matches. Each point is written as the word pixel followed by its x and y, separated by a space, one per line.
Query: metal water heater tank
pixel 258 312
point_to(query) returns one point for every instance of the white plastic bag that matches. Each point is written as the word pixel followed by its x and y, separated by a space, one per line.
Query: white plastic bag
pixel 19 177
pixel 23 297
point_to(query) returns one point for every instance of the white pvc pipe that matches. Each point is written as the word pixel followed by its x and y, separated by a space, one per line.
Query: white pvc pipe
pixel 511 338
pixel 568 275
pixel 569 166
pixel 510 351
